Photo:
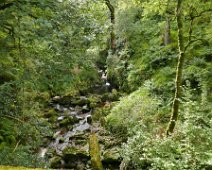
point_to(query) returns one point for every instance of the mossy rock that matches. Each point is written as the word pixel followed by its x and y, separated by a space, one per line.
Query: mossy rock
pixel 85 109
pixel 95 152
pixel 52 119
pixel 81 142
pixel 50 113
pixel 64 100
pixel 80 101
pixel 113 96
pixel 43 97
pixel 71 154
pixel 109 141
pixel 68 121
pixel 112 156
pixel 94 101
pixel 55 162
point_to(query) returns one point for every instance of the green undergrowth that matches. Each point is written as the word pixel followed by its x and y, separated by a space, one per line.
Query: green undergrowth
pixel 142 120
pixel 16 168
pixel 138 106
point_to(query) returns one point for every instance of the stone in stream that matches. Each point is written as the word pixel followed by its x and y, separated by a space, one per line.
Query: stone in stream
pixel 80 101
pixel 71 120
pixel 89 119
pixel 56 98
pixel 58 133
pixel 60 118
pixel 75 157
pixel 85 109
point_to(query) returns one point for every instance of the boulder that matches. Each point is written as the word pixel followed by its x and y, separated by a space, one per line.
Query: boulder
pixel 75 157
pixel 85 109
pixel 68 121
pixel 80 101
pixel 111 158
pixel 73 154
pixel 56 162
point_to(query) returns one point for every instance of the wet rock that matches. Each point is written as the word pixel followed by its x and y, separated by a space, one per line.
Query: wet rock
pixel 61 140
pixel 57 107
pixel 78 136
pixel 78 109
pixel 56 98
pixel 58 133
pixel 60 118
pixel 83 127
pixel 85 109
pixel 89 119
pixel 64 100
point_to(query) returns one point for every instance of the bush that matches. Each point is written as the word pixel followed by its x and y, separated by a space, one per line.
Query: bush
pixel 130 110
pixel 188 148
pixel 22 156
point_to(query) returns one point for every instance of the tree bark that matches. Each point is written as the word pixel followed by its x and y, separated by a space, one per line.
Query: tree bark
pixel 112 20
pixel 167 38
pixel 178 81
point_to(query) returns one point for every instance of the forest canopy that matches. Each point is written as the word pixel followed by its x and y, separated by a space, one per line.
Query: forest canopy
pixel 114 84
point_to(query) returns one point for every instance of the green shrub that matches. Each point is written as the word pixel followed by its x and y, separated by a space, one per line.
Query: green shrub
pixel 130 110
pixel 190 147
pixel 22 156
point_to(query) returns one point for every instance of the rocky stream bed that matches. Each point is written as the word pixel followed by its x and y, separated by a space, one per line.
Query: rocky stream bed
pixel 75 120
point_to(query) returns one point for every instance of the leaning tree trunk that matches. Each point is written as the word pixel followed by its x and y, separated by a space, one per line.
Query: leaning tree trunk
pixel 178 81
pixel 112 20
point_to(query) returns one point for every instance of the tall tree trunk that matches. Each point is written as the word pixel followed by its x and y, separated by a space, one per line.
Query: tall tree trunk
pixel 178 81
pixel 167 38
pixel 112 20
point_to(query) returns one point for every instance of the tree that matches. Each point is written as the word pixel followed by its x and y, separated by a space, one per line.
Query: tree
pixel 178 80
pixel 194 12
pixel 112 20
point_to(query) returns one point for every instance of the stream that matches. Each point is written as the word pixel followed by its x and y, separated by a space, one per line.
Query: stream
pixel 71 117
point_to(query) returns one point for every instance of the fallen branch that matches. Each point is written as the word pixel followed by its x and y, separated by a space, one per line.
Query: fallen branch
pixel 16 146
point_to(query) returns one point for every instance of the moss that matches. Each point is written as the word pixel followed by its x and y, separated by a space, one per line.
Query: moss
pixel 95 152
pixel 111 155
pixel 15 168
pixel 74 154
pixel 6 77
pixel 69 121
pixel 50 113
pixel 112 158
pixel 43 97
pixel 55 162
pixel 94 101
pixel 81 101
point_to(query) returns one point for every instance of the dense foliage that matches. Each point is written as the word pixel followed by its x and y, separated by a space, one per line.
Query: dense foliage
pixel 50 48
